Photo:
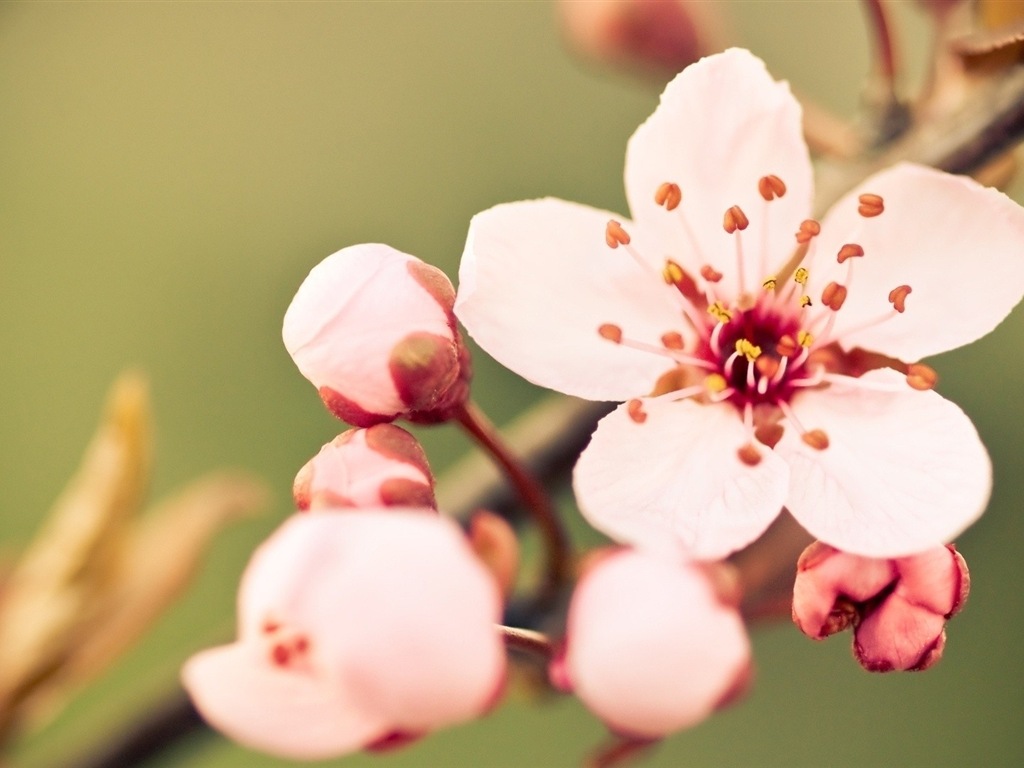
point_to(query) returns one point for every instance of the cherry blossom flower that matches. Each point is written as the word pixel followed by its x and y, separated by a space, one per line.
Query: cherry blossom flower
pixel 651 648
pixel 372 328
pixel 355 629
pixel 897 607
pixel 382 466
pixel 760 369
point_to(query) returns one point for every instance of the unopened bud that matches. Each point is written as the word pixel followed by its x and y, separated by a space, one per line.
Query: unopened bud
pixel 495 544
pixel 373 329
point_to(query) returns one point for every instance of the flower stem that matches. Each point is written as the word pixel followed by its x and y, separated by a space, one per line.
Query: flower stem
pixel 558 555
pixel 528 641
pixel 619 752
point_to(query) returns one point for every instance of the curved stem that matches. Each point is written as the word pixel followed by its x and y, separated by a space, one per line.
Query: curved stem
pixel 558 553
pixel 878 20
pixel 619 752
pixel 528 641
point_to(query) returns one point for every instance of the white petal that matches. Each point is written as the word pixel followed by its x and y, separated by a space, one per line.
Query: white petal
pixel 675 483
pixel 957 244
pixel 722 124
pixel 537 281
pixel 904 470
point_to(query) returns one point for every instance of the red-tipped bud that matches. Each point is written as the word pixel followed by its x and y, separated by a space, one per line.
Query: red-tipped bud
pixel 373 329
pixel 897 607
pixel 383 466
pixel 495 544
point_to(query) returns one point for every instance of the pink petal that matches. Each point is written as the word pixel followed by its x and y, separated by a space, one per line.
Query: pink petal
pixel 536 283
pixel 650 648
pixel 933 579
pixel 904 470
pixel 348 315
pixel 899 636
pixel 958 245
pixel 302 717
pixel 722 124
pixel 675 483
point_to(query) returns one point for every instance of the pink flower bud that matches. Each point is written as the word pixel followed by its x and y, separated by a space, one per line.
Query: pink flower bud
pixel 382 466
pixel 897 607
pixel 658 36
pixel 650 647
pixel 494 541
pixel 372 328
pixel 356 630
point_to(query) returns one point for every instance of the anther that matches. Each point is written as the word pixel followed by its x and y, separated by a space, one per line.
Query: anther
pixel 635 410
pixel 849 251
pixel 921 377
pixel 898 297
pixel 769 434
pixel 833 296
pixel 669 195
pixel 672 340
pixel 611 332
pixel 804 339
pixel 805 301
pixel 786 346
pixel 815 438
pixel 801 275
pixel 766 366
pixel 870 206
pixel 715 383
pixel 615 235
pixel 710 274
pixel 749 455
pixel 771 187
pixel 280 654
pixel 748 349
pixel 808 228
pixel 769 283
pixel 735 219
pixel 719 312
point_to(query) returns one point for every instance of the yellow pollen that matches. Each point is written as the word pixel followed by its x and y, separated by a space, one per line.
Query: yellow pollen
pixel 748 349
pixel 801 275
pixel 769 283
pixel 672 273
pixel 805 301
pixel 804 339
pixel 715 383
pixel 719 312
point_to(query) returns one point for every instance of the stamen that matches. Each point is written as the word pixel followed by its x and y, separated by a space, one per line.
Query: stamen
pixel 816 438
pixel 783 363
pixel 715 340
pixel 849 251
pixel 674 354
pixel 611 332
pixel 809 228
pixel 715 383
pixel 718 311
pixel 672 340
pixel 805 301
pixel 771 187
pixel 921 377
pixel 801 275
pixel 786 346
pixel 769 434
pixel 833 296
pixel 767 366
pixel 673 274
pixel 615 235
pixel 748 349
pixel 870 206
pixel 749 455
pixel 898 297
pixel 735 219
pixel 710 274
pixel 279 654
pixel 769 283
pixel 804 339
pixel 635 410
pixel 669 195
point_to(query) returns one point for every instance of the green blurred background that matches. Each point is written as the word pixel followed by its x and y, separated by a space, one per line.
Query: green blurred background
pixel 169 172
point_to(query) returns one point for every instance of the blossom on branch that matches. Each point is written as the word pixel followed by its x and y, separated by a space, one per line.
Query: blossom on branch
pixel 372 328
pixel 897 607
pixel 382 466
pixel 355 629
pixel 651 647
pixel 767 359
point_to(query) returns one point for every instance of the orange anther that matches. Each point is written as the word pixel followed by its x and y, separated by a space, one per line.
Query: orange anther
pixel 808 228
pixel 771 187
pixel 849 251
pixel 280 654
pixel 921 376
pixel 833 296
pixel 787 346
pixel 766 365
pixel 635 409
pixel 816 438
pixel 611 332
pixel 735 219
pixel 870 205
pixel 669 195
pixel 710 274
pixel 672 340
pixel 615 235
pixel 749 455
pixel 769 434
pixel 898 297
